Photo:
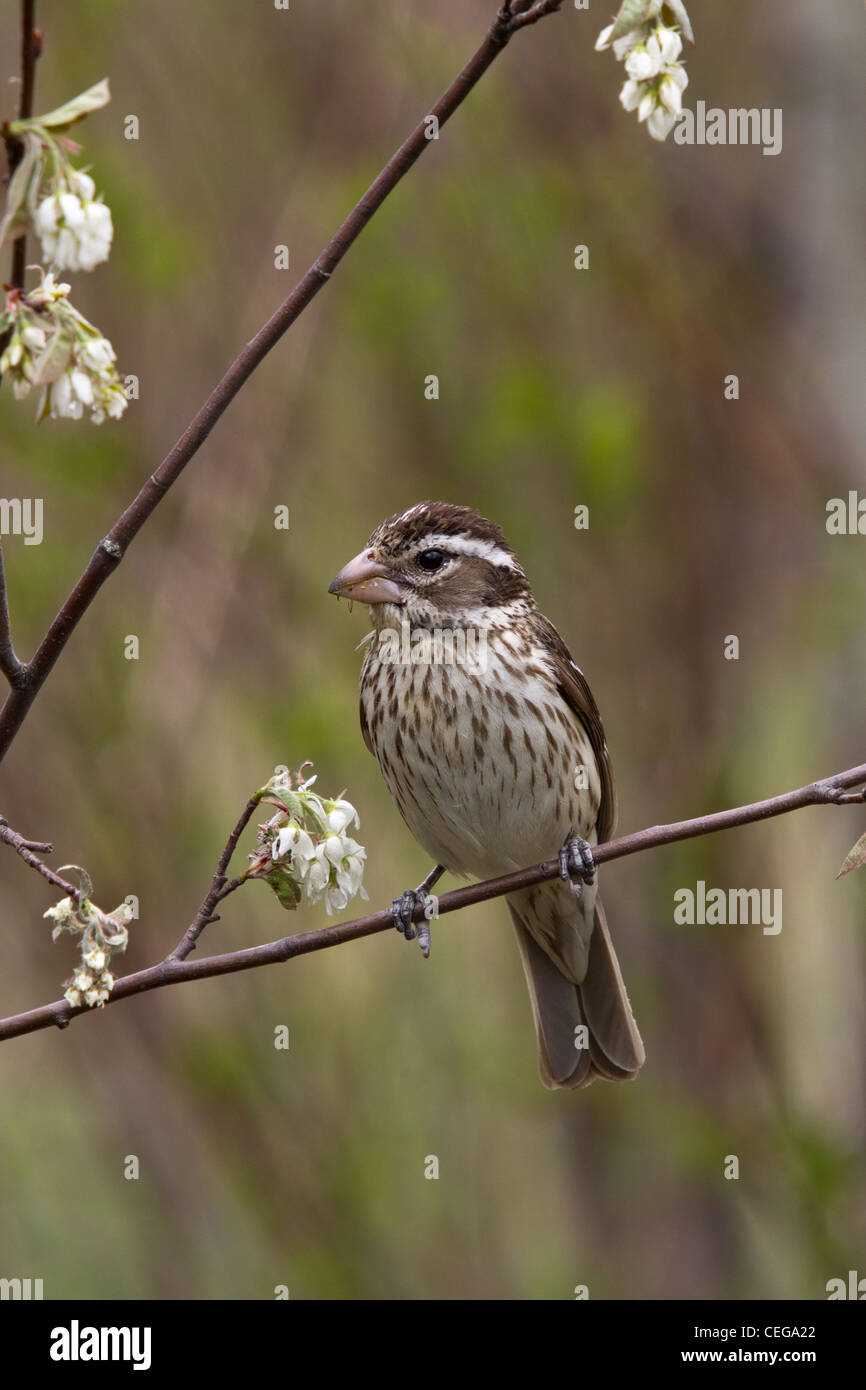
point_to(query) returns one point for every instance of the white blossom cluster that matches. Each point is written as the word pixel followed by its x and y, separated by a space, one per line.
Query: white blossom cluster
pixel 305 849
pixel 102 934
pixel 655 77
pixel 54 347
pixel 75 228
pixel 50 344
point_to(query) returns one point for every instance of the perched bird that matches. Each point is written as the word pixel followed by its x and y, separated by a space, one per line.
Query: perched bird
pixel 491 744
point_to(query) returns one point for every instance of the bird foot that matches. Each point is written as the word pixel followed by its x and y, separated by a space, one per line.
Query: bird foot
pixel 576 864
pixel 403 910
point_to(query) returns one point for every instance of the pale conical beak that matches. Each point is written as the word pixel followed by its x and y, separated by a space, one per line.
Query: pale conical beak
pixel 366 580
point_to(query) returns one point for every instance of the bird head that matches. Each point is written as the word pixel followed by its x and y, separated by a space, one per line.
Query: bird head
pixel 436 565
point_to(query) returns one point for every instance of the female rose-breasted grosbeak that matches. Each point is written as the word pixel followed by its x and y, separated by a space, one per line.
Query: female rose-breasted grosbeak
pixel 491 744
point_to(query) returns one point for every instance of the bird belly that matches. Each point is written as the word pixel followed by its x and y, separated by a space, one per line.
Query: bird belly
pixel 491 774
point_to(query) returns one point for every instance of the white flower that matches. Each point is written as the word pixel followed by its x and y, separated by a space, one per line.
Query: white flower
pixel 666 42
pixel 642 65
pixel 54 212
pixel 50 289
pixel 75 234
pixel 341 815
pixel 335 871
pixel 325 863
pixel 656 78
pixel 335 899
pixel 603 40
pixel 647 106
pixel 78 388
pixel 351 872
pixel 670 95
pixel 98 354
pixel 334 849
pixel 62 912
pixel 73 997
pixel 32 336
pixel 678 74
pixel 83 981
pixel 317 875
pixel 95 241
pixel 95 960
pixel 63 403
pixel 291 839
pixel 621 46
pixel 83 185
pixel 630 94
pixel 81 385
pixel 348 858
pixel 661 123
pixel 111 402
pixel 628 41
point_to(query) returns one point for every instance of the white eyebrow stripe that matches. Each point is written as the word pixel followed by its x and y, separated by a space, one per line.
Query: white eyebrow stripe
pixel 471 545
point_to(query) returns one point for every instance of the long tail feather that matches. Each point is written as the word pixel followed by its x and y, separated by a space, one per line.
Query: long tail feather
pixel 560 1005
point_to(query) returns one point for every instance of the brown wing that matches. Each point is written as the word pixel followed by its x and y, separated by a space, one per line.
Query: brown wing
pixel 575 690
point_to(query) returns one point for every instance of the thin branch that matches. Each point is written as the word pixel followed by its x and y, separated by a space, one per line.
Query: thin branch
pixel 111 550
pixel 31 47
pixel 532 14
pixel 31 44
pixel 172 971
pixel 29 849
pixel 219 889
pixel 14 670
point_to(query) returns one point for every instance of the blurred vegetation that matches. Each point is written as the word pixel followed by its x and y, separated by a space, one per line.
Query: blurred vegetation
pixel 558 387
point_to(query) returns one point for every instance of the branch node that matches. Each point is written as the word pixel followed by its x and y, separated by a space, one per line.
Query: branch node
pixel 18 675
pixel 830 792
pixel 112 548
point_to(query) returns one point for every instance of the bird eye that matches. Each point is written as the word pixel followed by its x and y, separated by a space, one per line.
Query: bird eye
pixel 431 560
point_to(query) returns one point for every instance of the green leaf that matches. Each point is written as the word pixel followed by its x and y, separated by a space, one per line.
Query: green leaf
pixel 53 359
pixel 286 888
pixel 632 15
pixel 855 858
pixel 681 17
pixel 16 195
pixel 284 800
pixel 93 99
pixel 85 885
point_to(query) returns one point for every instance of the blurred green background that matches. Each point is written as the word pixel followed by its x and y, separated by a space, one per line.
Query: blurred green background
pixel 558 387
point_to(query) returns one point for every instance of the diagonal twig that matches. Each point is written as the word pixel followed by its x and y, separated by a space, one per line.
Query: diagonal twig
pixel 531 14
pixel 112 548
pixel 219 889
pixel 29 850
pixel 14 670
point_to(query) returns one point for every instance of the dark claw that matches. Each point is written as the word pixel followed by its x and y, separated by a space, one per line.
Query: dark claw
pixel 401 910
pixel 403 907
pixel 576 864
